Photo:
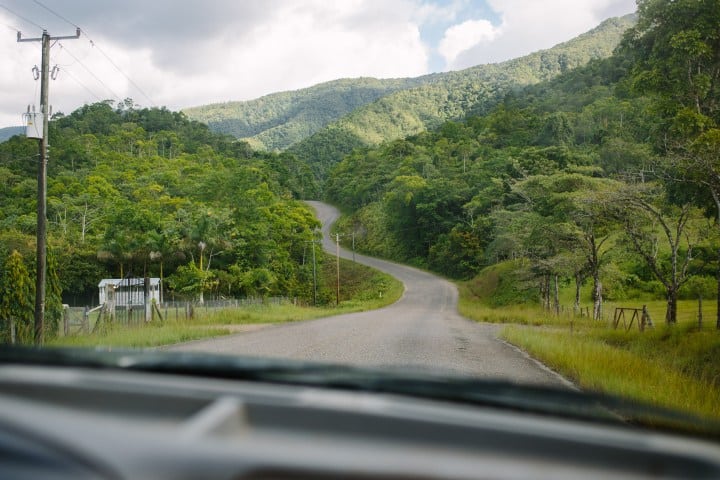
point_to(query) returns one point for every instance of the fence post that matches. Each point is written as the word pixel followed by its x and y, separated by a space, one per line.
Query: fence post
pixel 66 321
pixel 146 298
pixel 700 319
pixel 646 320
pixel 86 321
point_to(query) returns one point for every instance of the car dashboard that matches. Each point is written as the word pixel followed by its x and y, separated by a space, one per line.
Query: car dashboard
pixel 76 422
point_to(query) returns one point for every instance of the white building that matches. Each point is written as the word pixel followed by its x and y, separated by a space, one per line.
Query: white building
pixel 129 291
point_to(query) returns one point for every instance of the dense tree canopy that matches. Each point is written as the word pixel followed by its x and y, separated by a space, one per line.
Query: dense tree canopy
pixel 591 175
pixel 147 191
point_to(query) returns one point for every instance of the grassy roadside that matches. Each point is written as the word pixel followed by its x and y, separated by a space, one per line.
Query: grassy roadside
pixel 629 368
pixel 676 367
pixel 363 289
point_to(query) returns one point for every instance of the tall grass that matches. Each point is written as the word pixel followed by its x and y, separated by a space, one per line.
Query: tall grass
pixel 623 369
pixel 145 336
pixel 671 366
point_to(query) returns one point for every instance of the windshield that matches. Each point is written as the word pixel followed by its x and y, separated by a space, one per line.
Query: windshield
pixel 525 192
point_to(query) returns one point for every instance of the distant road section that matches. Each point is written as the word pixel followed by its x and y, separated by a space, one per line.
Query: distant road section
pixel 421 330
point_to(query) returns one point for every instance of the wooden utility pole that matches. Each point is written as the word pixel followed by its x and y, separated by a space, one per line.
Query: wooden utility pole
pixel 314 275
pixel 41 257
pixel 337 258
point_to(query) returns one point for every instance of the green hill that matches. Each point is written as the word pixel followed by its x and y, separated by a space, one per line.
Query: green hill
pixel 453 95
pixel 8 132
pixel 324 122
pixel 276 121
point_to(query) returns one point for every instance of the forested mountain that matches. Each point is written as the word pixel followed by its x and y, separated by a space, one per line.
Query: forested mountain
pixel 276 121
pixel 146 191
pixel 607 174
pixel 453 96
pixel 8 132
pixel 322 123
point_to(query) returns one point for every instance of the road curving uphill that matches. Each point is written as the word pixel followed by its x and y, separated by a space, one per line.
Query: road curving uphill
pixel 421 330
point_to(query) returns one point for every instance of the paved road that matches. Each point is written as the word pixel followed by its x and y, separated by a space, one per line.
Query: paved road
pixel 421 330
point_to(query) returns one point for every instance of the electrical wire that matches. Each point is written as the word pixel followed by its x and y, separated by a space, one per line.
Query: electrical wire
pixel 87 89
pixel 65 65
pixel 11 27
pixel 137 87
pixel 90 72
pixel 22 18
pixel 55 13
pixel 94 45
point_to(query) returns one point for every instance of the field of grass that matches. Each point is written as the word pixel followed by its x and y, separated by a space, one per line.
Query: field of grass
pixel 363 289
pixel 670 366
pixel 651 367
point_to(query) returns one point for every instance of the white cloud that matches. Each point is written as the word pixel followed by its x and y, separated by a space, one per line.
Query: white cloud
pixel 464 36
pixel 531 25
pixel 192 53
pixel 291 45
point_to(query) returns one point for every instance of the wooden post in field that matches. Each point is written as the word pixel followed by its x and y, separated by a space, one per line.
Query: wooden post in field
pixel 700 319
pixel 146 297
pixel 645 320
pixel 85 327
pixel 717 318
pixel 337 258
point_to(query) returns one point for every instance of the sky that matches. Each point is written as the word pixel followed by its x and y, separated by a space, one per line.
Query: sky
pixel 186 53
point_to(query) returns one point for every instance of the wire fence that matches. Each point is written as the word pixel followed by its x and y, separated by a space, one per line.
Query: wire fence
pixel 83 320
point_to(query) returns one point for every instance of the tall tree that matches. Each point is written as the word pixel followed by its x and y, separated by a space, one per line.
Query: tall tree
pixel 16 299
pixel 676 48
pixel 648 219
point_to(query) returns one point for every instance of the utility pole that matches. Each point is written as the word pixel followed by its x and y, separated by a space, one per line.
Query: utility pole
pixel 42 181
pixel 353 244
pixel 314 276
pixel 337 258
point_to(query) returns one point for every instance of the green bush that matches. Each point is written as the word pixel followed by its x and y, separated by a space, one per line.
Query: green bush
pixel 505 283
pixel 697 286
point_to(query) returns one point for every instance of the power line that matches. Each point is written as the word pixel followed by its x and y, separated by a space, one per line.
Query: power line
pixel 107 57
pixel 56 14
pixel 22 18
pixel 83 85
pixel 90 72
pixel 11 27
pixel 86 55
pixel 119 70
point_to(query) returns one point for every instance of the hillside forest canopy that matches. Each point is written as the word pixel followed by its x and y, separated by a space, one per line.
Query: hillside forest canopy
pixel 605 178
pixel 137 191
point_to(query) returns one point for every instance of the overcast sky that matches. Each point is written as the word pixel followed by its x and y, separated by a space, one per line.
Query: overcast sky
pixel 181 53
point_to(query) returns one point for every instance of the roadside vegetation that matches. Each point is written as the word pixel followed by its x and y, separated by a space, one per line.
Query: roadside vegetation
pixel 675 366
pixel 599 188
pixel 594 188
pixel 362 288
